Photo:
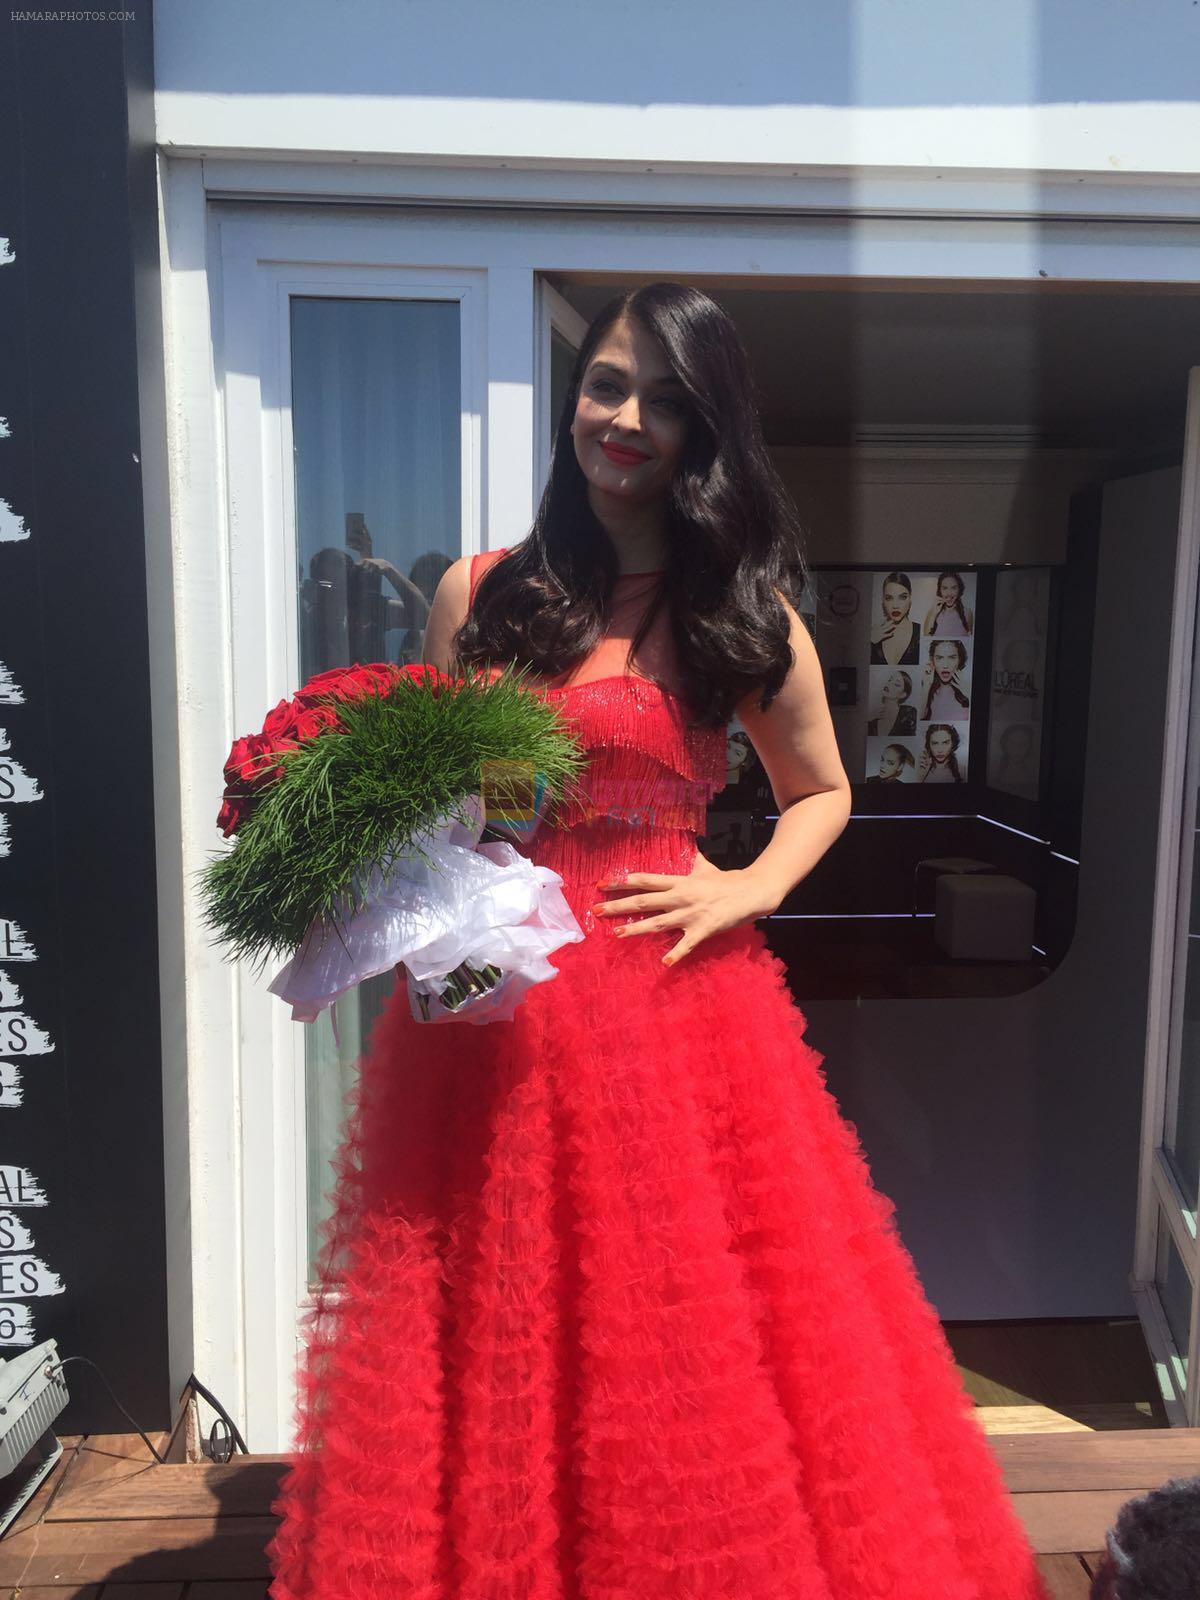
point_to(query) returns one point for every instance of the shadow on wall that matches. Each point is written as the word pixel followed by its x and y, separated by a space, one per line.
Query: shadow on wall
pixel 686 54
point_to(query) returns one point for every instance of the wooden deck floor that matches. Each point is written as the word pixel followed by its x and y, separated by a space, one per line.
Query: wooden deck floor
pixel 109 1523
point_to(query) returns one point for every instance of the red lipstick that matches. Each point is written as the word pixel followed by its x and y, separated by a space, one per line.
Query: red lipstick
pixel 623 456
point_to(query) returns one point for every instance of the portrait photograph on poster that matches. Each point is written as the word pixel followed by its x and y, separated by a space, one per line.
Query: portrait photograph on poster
pixel 893 702
pixel 946 681
pixel 950 614
pixel 909 608
pixel 939 755
pixel 944 753
pixel 892 760
pixel 895 629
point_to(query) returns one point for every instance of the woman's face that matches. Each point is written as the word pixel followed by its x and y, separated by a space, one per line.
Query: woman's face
pixel 896 601
pixel 945 661
pixel 737 748
pixel 889 763
pixel 894 687
pixel 949 590
pixel 940 745
pixel 631 416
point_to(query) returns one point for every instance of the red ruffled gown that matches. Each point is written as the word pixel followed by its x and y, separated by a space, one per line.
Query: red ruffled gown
pixel 610 1308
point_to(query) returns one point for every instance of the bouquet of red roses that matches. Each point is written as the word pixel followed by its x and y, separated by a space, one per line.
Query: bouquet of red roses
pixel 357 815
pixel 253 761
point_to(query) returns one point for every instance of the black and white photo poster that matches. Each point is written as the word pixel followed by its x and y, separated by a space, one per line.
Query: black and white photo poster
pixel 898 646
pixel 922 639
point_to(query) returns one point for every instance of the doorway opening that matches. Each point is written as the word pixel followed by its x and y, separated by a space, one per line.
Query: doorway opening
pixel 947 441
pixel 1026 453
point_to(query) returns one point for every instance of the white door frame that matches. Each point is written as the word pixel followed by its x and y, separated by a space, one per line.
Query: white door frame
pixel 254 363
pixel 230 1061
pixel 1158 1190
pixel 554 315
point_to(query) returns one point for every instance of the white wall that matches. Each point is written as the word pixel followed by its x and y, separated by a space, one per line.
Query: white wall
pixel 860 508
pixel 1012 1159
pixel 1100 86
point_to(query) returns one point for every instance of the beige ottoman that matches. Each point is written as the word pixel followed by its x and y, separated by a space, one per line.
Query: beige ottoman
pixel 984 917
pixel 932 866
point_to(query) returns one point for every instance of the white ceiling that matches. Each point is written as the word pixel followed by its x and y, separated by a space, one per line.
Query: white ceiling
pixel 1079 368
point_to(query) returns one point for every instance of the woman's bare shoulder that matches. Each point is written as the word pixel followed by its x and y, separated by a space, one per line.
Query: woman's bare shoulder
pixel 447 612
pixel 452 601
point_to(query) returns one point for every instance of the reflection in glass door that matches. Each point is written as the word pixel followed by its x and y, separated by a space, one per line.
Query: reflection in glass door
pixel 1167 1274
pixel 1178 1156
pixel 376 433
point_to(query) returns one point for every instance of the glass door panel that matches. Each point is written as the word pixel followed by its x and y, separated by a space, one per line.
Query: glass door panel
pixel 1181 1122
pixel 1183 1090
pixel 376 430
pixel 1175 1295
pixel 1166 1276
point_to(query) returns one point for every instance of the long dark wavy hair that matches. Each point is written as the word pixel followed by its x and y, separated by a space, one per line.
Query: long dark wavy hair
pixel 733 536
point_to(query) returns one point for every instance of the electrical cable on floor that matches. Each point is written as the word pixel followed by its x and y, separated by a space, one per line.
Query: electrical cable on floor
pixel 220 1450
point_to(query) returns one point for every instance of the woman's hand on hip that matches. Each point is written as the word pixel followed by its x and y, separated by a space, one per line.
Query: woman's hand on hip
pixel 707 900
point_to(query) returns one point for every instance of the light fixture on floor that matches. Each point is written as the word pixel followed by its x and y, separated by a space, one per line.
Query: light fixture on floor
pixel 33 1391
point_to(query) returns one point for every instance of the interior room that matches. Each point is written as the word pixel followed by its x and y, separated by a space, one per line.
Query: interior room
pixel 973 956
pixel 922 431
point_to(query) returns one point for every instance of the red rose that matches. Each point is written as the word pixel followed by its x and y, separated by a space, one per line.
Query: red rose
pixel 250 763
pixel 356 682
pixel 421 672
pixel 348 683
pixel 323 684
pixel 376 678
pixel 253 761
pixel 314 721
pixel 280 722
pixel 229 818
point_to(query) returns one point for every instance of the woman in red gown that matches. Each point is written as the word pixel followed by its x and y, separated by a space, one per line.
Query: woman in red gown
pixel 609 1307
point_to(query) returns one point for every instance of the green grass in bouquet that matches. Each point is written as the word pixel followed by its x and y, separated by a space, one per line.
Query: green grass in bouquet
pixel 399 760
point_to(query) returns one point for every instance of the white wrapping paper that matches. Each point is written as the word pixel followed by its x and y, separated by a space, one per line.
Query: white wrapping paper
pixel 483 904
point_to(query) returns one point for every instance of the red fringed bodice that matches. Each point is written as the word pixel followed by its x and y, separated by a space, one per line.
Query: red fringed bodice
pixel 643 798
